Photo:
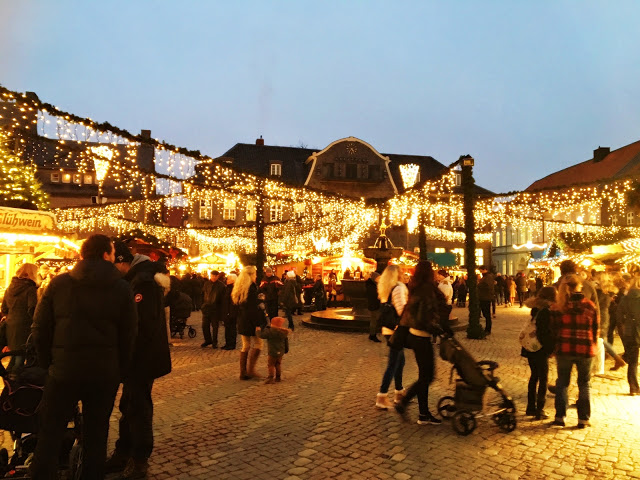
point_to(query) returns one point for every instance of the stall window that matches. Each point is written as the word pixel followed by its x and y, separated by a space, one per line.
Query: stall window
pixel 229 211
pixel 275 212
pixel 460 254
pixel 77 179
pixel 88 179
pixel 66 178
pixel 439 250
pixel 55 178
pixel 206 209
pixel 250 213
pixel 298 210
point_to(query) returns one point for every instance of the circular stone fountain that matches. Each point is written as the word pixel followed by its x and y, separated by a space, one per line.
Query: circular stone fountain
pixel 356 318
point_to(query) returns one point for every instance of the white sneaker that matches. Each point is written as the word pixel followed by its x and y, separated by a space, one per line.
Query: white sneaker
pixel 382 401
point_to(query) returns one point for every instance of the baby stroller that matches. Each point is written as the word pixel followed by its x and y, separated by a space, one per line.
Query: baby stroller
pixel 468 401
pixel 19 405
pixel 180 311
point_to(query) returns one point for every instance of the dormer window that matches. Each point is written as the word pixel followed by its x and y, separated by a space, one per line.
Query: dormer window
pixel 275 169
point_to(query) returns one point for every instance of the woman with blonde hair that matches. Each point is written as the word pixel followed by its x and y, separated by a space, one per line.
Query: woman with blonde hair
pixel 251 315
pixel 394 294
pixel 18 305
pixel 575 326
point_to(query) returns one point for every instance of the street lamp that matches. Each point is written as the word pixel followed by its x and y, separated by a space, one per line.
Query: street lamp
pixel 474 330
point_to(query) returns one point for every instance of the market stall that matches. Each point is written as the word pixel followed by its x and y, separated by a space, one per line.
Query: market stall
pixel 29 236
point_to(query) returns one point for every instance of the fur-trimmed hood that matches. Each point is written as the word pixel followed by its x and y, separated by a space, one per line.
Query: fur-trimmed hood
pixel 536 302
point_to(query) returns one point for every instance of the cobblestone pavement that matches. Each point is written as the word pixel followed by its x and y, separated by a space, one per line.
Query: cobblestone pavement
pixel 321 423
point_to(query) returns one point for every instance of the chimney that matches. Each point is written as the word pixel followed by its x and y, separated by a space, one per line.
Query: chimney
pixel 145 157
pixel 600 153
pixel 260 141
pixel 145 133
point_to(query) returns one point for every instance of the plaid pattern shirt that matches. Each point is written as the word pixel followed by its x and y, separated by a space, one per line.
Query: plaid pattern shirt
pixel 576 327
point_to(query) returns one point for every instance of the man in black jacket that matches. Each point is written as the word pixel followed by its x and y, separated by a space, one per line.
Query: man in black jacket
pixel 212 309
pixel 151 360
pixel 84 328
pixel 373 304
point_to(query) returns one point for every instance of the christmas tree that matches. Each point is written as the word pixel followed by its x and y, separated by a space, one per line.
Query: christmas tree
pixel 19 186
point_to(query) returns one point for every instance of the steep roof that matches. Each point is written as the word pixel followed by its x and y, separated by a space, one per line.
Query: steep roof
pixel 619 163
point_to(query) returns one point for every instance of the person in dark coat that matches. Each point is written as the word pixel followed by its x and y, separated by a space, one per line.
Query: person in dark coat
pixel 19 305
pixel 270 287
pixel 84 330
pixel 373 305
pixel 319 293
pixel 212 309
pixel 290 297
pixel 149 282
pixel 539 361
pixel 628 319
pixel 230 320
pixel 251 315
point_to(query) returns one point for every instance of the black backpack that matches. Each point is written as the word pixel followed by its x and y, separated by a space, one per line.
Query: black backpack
pixel 389 318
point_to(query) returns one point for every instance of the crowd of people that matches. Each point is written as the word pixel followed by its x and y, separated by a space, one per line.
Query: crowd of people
pixel 103 324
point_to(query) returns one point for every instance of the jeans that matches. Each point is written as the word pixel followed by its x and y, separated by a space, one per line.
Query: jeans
pixel 631 357
pixel 565 365
pixel 522 296
pixel 136 422
pixel 58 403
pixel 423 349
pixel 537 394
pixel 374 319
pixel 210 325
pixel 485 308
pixel 395 366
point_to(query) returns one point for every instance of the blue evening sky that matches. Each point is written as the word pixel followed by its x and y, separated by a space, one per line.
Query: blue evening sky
pixel 526 87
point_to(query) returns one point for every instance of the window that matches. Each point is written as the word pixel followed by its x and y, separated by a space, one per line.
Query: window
pixel 459 255
pixel 276 169
pixel 439 221
pixel 374 172
pixel 479 256
pixel 439 250
pixel 275 212
pixel 458 179
pixel 510 267
pixel 250 213
pixel 298 210
pixel 206 209
pixel 229 210
pixel 614 220
pixel 77 178
pixel 55 178
pixel 88 179
pixel 328 170
pixel 352 170
pixel 66 178
pixel 630 216
pixel 504 267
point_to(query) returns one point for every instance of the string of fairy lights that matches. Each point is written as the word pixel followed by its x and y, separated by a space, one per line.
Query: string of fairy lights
pixel 304 218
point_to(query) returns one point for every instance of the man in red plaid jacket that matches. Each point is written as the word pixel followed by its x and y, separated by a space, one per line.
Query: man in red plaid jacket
pixel 575 325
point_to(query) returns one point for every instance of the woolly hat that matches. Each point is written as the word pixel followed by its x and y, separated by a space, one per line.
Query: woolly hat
pixel 123 254
pixel 277 322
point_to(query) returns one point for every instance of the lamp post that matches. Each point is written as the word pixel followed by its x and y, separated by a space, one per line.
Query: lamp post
pixel 474 330
pixel 260 250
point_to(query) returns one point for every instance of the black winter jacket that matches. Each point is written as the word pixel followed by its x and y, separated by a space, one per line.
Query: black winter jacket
pixel 151 356
pixel 18 305
pixel 251 313
pixel 540 312
pixel 85 324
pixel 373 302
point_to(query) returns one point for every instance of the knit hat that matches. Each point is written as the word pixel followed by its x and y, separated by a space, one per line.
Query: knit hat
pixel 277 322
pixel 123 254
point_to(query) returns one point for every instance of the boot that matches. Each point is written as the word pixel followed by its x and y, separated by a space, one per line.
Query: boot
pixel 243 366
pixel 399 395
pixel 619 363
pixel 382 401
pixel 253 359
pixel 117 462
pixel 269 380
pixel 136 470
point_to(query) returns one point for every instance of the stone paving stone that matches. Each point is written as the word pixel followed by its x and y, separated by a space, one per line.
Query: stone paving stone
pixel 321 423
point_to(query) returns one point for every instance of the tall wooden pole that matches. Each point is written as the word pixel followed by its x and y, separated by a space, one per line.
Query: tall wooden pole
pixel 474 330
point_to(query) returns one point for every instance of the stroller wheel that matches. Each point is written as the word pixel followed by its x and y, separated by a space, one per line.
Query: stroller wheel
pixel 507 422
pixel 192 332
pixel 464 422
pixel 447 407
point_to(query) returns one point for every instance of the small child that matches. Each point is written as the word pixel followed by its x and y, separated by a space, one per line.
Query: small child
pixel 276 336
